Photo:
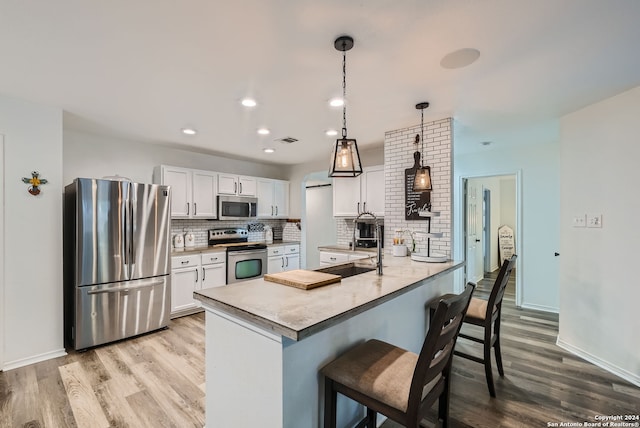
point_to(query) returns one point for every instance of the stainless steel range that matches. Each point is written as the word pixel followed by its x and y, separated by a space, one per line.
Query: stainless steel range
pixel 245 260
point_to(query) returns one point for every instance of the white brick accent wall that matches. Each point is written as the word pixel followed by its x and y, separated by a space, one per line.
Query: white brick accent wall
pixel 398 155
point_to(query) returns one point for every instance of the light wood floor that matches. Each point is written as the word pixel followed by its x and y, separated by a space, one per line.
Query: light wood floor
pixel 157 380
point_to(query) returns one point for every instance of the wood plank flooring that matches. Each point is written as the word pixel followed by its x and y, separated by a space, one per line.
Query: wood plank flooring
pixel 543 384
pixel 157 380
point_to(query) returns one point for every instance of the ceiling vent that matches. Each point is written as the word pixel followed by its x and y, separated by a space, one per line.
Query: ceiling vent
pixel 287 140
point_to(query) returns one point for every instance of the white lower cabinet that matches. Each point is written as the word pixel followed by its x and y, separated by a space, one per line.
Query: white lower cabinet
pixel 194 272
pixel 330 258
pixel 214 270
pixel 283 258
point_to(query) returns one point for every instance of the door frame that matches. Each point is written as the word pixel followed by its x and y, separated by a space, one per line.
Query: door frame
pixel 2 277
pixel 460 219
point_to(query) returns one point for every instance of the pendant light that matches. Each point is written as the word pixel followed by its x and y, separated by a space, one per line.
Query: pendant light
pixel 345 159
pixel 422 182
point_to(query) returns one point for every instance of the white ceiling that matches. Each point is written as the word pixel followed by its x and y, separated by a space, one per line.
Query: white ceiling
pixel 144 69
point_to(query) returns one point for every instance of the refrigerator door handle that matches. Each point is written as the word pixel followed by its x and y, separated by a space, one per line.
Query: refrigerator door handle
pixel 132 226
pixel 125 288
pixel 127 236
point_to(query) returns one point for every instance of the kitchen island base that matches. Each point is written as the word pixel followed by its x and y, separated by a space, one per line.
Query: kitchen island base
pixel 258 377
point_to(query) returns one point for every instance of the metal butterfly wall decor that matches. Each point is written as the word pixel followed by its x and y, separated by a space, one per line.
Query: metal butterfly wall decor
pixel 35 181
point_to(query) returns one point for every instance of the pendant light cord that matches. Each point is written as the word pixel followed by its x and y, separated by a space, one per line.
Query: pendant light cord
pixel 422 136
pixel 344 92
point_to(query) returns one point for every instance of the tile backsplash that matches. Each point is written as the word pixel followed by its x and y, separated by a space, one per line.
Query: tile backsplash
pixel 200 228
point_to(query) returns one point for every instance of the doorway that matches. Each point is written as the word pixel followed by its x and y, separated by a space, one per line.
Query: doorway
pixel 490 202
pixel 318 223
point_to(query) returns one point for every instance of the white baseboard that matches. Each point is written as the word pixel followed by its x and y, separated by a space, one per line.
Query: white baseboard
pixel 34 359
pixel 540 308
pixel 620 372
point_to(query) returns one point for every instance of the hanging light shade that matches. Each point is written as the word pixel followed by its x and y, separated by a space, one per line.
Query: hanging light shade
pixel 345 159
pixel 422 181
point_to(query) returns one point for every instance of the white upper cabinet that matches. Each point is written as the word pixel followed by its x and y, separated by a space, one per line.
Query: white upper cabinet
pixel 193 192
pixel 204 194
pixel 273 198
pixel 180 181
pixel 352 196
pixel 229 184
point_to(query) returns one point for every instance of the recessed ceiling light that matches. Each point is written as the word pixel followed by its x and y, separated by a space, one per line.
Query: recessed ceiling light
pixel 460 58
pixel 268 150
pixel 331 132
pixel 336 102
pixel 249 102
pixel 263 131
pixel 189 131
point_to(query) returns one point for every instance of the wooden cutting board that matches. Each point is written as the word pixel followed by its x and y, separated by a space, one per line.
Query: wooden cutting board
pixel 304 279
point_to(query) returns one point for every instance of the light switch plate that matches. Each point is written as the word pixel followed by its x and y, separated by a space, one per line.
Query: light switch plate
pixel 579 221
pixel 594 220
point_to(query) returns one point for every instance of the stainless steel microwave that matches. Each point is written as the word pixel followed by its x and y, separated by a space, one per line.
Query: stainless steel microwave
pixel 237 208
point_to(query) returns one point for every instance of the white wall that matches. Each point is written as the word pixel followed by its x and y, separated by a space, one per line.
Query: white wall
pixel 93 156
pixel 599 292
pixel 32 311
pixel 538 166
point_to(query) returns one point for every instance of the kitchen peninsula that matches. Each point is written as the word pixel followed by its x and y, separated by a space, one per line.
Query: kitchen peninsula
pixel 265 342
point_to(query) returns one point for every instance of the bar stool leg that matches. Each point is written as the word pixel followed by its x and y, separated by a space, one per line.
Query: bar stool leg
pixel 497 348
pixel 371 418
pixel 487 361
pixel 330 396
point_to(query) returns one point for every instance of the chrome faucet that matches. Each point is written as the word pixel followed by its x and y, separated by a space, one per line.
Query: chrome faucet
pixel 378 238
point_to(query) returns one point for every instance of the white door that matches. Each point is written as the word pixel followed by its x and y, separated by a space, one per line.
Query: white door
pixel 373 190
pixel 292 261
pixel 281 198
pixel 346 197
pixel 183 284
pixel 214 275
pixel 474 231
pixel 247 186
pixel 227 184
pixel 264 190
pixel 275 264
pixel 180 181
pixel 204 194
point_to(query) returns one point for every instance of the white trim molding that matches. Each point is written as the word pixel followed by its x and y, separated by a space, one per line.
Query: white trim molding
pixel 34 359
pixel 620 372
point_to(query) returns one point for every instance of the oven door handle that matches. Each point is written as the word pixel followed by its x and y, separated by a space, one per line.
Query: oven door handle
pixel 242 253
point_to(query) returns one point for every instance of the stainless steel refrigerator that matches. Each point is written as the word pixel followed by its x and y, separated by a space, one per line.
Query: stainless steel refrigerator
pixel 116 260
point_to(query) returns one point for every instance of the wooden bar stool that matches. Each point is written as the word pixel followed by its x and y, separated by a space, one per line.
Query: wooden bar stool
pixel 395 382
pixel 487 314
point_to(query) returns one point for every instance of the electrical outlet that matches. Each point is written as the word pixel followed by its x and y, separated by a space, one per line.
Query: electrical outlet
pixel 579 221
pixel 594 220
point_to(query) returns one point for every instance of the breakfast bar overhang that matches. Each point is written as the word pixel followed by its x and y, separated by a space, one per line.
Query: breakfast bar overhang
pixel 266 342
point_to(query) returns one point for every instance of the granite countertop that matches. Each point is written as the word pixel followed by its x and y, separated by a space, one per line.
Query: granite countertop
pixel 296 313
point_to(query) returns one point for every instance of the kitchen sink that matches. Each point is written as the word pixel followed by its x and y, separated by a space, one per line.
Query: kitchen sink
pixel 346 270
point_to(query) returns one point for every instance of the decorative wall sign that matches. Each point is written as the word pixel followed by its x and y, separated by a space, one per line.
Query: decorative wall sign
pixel 35 181
pixel 506 243
pixel 414 201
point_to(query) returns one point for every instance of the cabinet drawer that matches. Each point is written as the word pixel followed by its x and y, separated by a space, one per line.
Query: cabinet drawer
pixel 214 258
pixel 192 260
pixel 333 257
pixel 292 249
pixel 276 251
